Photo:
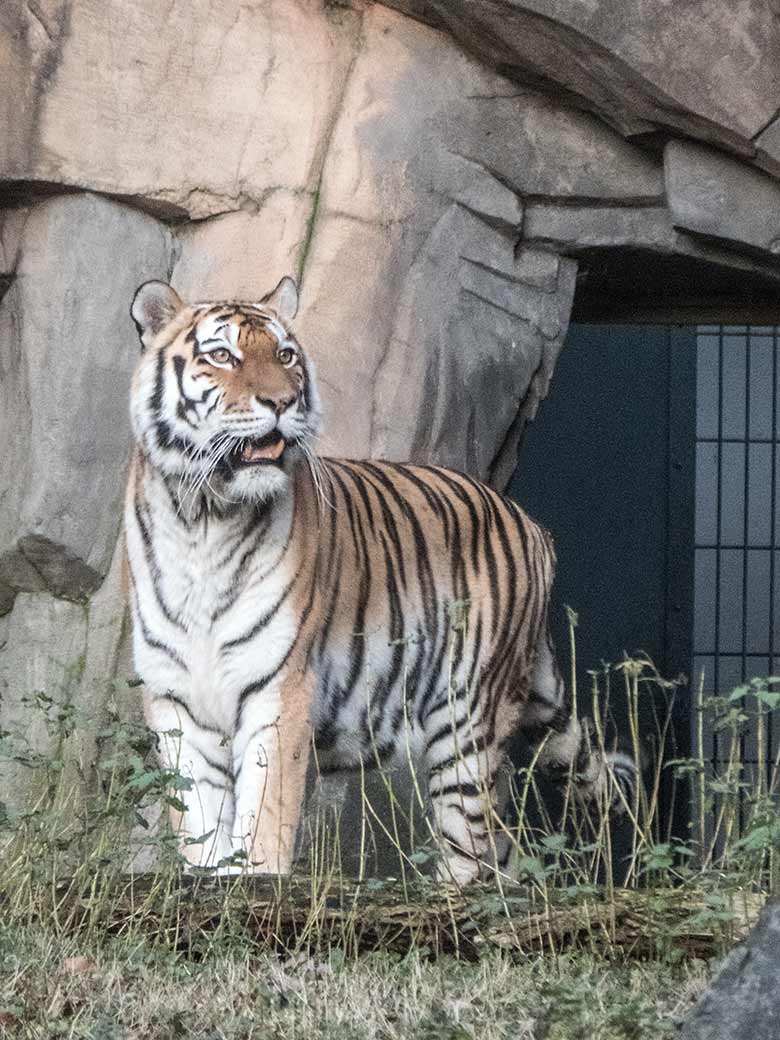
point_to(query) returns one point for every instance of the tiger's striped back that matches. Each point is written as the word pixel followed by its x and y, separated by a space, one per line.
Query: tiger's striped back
pixel 432 582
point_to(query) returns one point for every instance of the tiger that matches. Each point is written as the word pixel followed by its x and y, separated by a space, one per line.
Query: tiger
pixel 287 605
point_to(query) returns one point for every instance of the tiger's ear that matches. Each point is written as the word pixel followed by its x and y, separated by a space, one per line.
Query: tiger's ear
pixel 284 299
pixel 154 305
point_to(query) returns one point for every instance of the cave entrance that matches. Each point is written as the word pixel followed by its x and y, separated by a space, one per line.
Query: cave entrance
pixel 654 461
pixel 608 467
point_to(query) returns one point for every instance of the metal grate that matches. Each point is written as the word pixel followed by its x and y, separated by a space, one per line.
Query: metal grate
pixel 736 550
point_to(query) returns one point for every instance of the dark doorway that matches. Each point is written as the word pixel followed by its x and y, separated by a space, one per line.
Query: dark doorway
pixel 609 467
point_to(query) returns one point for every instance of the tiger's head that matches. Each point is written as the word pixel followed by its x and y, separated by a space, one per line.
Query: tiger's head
pixel 223 398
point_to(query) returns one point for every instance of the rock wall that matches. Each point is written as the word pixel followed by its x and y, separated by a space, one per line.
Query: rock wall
pixel 433 186
pixel 743 999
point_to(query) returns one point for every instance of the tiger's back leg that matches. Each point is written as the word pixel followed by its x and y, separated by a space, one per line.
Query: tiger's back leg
pixel 565 745
pixel 462 780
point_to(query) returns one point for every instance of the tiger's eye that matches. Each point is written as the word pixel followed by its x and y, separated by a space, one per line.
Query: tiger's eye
pixel 286 356
pixel 221 355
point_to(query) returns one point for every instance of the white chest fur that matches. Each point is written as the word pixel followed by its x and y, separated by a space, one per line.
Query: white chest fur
pixel 210 612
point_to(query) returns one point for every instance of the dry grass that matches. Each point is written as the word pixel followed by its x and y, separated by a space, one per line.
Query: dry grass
pixel 562 951
pixel 60 988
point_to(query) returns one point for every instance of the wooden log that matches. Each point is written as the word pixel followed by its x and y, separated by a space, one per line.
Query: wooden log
pixel 192 912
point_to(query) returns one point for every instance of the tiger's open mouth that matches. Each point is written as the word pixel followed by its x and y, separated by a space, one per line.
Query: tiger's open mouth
pixel 260 451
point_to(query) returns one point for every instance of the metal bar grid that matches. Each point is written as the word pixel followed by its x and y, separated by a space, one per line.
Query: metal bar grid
pixel 745 514
pixel 718 527
pixel 737 558
pixel 773 540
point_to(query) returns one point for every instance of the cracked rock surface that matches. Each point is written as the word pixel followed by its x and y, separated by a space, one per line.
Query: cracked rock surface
pixel 184 109
pixel 67 350
pixel 707 69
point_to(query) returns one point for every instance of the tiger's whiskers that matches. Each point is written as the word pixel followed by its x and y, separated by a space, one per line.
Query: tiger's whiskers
pixel 316 470
pixel 214 451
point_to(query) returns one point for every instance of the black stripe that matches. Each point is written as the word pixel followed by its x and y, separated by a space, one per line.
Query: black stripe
pixel 448 478
pixel 154 568
pixel 238 766
pixel 216 766
pixel 351 516
pixel 155 401
pixel 379 751
pixel 171 441
pixel 238 539
pixel 424 570
pixel 261 520
pixel 358 644
pixel 457 848
pixel 464 790
pixel 444 509
pixel 471 817
pixel 389 520
pixel 260 684
pixel 360 488
pixel 211 783
pixel 181 703
pixel 396 633
pixel 156 644
pixel 477 746
pixel 330 615
pixel 261 622
pixel 451 728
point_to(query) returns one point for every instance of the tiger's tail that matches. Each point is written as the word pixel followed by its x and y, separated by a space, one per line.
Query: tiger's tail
pixel 565 745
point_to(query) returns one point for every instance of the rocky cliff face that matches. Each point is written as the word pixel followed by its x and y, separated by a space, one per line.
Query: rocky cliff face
pixel 431 174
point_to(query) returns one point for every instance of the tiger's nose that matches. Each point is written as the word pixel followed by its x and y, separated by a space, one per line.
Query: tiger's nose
pixel 277 402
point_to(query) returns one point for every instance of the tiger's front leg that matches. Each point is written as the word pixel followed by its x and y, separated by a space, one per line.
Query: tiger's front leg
pixel 270 755
pixel 200 754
